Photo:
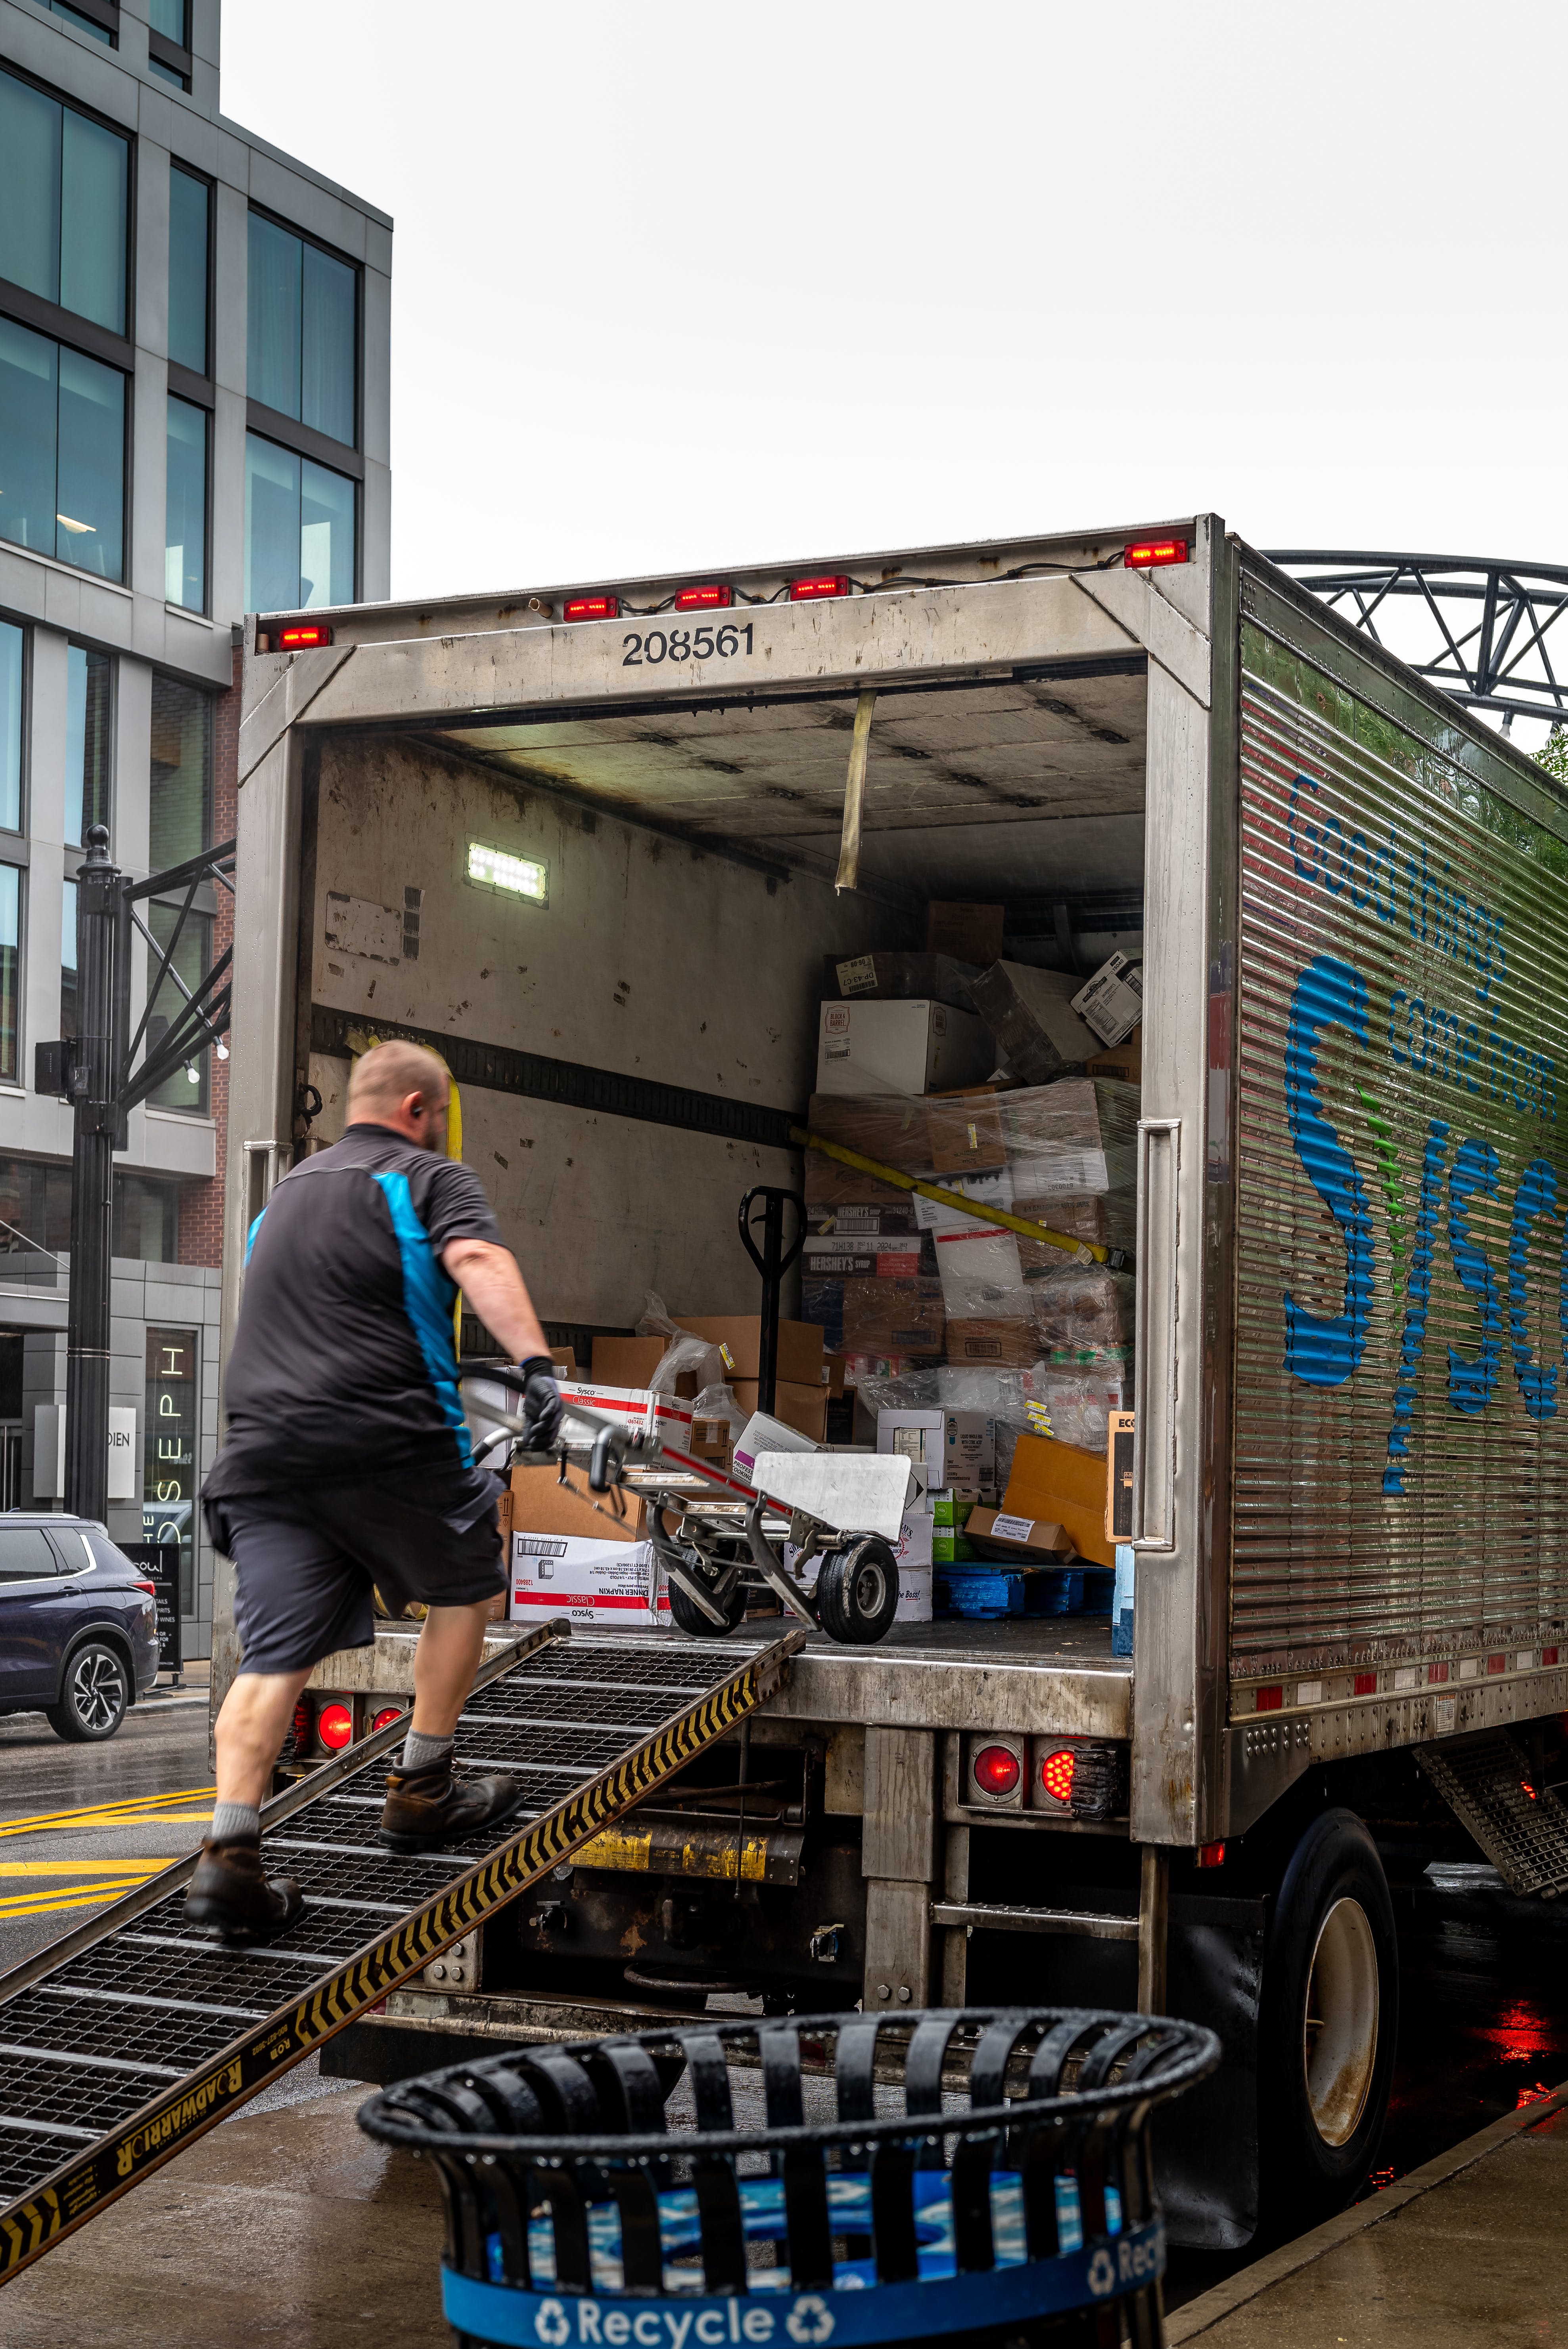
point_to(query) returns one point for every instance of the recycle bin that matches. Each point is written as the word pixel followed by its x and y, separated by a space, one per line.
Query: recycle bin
pixel 977 2172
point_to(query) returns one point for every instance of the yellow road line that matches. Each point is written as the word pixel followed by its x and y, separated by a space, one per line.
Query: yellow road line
pixel 82 1867
pixel 107 1814
pixel 109 1810
pixel 43 1904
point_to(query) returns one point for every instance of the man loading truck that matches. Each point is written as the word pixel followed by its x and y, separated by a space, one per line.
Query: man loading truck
pixel 347 1465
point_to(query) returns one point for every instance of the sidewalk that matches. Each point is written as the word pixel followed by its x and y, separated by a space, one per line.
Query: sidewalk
pixel 1469 2250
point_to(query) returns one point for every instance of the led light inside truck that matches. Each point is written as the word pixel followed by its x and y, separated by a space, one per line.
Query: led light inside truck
pixel 509 877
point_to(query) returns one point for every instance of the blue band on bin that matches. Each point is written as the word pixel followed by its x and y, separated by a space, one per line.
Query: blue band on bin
pixel 518 2319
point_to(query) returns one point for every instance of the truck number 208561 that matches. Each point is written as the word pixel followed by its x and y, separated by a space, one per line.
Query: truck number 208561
pixel 684 644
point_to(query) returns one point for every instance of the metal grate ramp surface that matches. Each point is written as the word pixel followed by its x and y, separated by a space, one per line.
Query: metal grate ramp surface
pixel 1525 1835
pixel 130 2037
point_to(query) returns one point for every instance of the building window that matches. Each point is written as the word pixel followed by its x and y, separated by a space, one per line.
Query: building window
pixel 181 794
pixel 302 331
pixel 188 1088
pixel 300 525
pixel 65 183
pixel 10 968
pixel 12 645
pixel 169 21
pixel 146 1220
pixel 82 24
pixel 69 960
pixel 62 452
pixel 190 250
pixel 185 507
pixel 169 1455
pixel 89 740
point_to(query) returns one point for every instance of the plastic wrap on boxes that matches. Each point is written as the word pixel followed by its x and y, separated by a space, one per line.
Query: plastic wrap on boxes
pixel 1109 1218
pixel 1077 1136
pixel 1030 1014
pixel 871 1316
pixel 684 1354
pixel 1083 1309
pixel 1078 1399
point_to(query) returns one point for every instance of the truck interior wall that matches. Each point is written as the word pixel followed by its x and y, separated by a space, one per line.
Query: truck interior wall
pixel 652 959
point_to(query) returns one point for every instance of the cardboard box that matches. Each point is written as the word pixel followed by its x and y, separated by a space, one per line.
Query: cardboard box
pixel 919 1436
pixel 565 1361
pixel 798 1358
pixel 805 1409
pixel 1118 1479
pixel 971 932
pixel 971 1452
pixel 608 1586
pixel 854 1257
pixel 1112 1003
pixel 1057 1481
pixel 627 1361
pixel 763 1433
pixel 997 1345
pixel 965 1131
pixel 866 1046
pixel 637 1409
pixel 1029 1012
pixel 899 978
pixel 1024 1541
pixel 538 1503
pixel 1123 1060
pixel 890 1317
pixel 854 1223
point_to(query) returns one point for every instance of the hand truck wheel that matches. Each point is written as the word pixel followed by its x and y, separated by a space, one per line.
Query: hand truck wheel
pixel 687 1616
pixel 857 1591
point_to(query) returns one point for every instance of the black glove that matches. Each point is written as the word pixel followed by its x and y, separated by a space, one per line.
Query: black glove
pixel 541 1411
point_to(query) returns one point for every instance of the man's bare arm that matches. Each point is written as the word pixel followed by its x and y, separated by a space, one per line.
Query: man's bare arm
pixel 490 1279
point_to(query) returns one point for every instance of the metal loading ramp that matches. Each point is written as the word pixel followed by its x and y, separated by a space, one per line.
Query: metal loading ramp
pixel 132 2036
pixel 1489 1784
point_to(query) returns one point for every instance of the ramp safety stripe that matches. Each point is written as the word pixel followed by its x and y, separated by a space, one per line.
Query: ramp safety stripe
pixel 58 2022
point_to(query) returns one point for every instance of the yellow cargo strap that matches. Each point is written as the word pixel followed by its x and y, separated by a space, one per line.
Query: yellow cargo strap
pixel 1086 1251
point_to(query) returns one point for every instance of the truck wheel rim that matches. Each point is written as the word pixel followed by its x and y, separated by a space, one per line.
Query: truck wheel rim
pixel 97 1689
pixel 1339 2029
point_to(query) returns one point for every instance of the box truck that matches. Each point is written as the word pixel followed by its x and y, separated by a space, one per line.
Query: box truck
pixel 588 843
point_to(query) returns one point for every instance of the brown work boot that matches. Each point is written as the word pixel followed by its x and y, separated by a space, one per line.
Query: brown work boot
pixel 428 1808
pixel 232 1892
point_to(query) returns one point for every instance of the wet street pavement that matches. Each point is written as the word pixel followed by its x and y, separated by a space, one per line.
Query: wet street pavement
pixel 79 1825
pixel 317 2231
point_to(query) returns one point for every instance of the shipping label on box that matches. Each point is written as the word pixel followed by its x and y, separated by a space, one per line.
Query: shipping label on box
pixel 609 1585
pixel 1112 1002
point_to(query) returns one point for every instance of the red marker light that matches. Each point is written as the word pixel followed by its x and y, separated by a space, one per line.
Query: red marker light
pixel 334 1726
pixel 1526 1788
pixel 593 607
pixel 1365 1684
pixel 1148 554
pixel 1210 1854
pixel 1269 1700
pixel 703 599
pixel 810 591
pixel 1057 1773
pixel 996 1769
pixel 301 639
pixel 385 1720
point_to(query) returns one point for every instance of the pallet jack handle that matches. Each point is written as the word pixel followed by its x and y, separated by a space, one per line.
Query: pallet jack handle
pixel 773 1262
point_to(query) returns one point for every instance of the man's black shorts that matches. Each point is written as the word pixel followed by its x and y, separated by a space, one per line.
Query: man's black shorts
pixel 307 1559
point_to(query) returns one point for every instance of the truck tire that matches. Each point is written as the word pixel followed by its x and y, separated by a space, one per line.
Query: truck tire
pixel 1328 2025
pixel 687 1616
pixel 857 1591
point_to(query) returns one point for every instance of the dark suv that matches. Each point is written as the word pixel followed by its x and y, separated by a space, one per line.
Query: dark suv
pixel 79 1625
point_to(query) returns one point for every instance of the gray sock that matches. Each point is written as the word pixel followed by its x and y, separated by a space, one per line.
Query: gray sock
pixel 234 1823
pixel 422 1752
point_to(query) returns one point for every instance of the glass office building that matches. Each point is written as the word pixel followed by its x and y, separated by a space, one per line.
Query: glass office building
pixel 193 333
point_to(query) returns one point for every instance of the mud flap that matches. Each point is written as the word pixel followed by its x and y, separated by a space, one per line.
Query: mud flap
pixel 1206 2146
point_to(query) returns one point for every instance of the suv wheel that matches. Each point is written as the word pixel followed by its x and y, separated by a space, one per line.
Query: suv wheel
pixel 95 1696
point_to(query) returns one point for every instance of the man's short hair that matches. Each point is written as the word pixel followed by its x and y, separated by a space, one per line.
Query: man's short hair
pixel 384 1077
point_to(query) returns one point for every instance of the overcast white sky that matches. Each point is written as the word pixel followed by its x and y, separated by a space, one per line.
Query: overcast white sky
pixel 684 285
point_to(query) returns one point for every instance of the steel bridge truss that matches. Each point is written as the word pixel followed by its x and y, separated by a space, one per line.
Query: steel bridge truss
pixel 1480 629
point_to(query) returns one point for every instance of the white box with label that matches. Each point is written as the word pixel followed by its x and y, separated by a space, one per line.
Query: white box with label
pixel 606 1585
pixel 900 1048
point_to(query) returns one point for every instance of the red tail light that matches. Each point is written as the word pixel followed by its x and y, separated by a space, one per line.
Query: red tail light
pixel 1147 554
pixel 593 607
pixel 302 639
pixel 1057 1773
pixel 151 1588
pixel 996 1769
pixel 703 599
pixel 1210 1854
pixel 827 583
pixel 334 1726
pixel 385 1720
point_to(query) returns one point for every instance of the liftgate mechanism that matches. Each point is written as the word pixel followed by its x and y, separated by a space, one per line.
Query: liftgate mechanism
pixel 842 1509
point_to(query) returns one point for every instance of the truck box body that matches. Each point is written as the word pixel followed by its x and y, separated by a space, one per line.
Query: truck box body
pixel 1350 1479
